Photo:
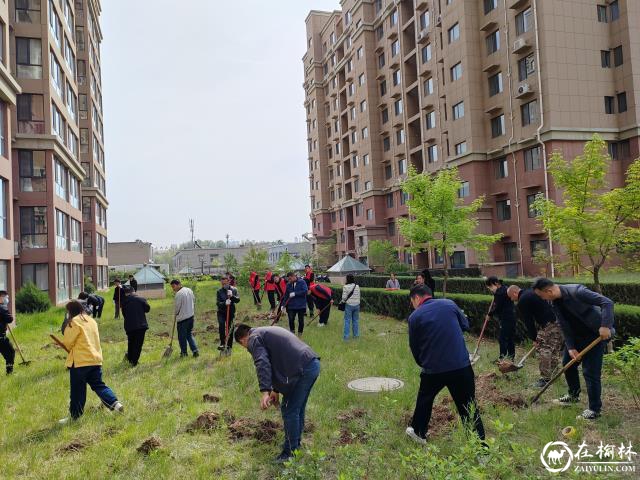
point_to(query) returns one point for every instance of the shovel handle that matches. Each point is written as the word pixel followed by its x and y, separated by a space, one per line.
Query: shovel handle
pixel 319 313
pixel 484 326
pixel 59 343
pixel 16 344
pixel 526 355
pixel 581 354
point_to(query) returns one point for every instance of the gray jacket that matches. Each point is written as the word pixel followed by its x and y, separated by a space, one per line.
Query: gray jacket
pixel 279 357
pixel 593 309
pixel 184 304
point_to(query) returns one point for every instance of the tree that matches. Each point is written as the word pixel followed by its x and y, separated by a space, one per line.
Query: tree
pixel 382 253
pixel 284 262
pixel 326 253
pixel 255 261
pixel 307 258
pixel 593 220
pixel 438 217
pixel 231 263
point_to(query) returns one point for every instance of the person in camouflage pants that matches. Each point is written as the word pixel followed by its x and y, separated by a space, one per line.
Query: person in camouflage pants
pixel 550 344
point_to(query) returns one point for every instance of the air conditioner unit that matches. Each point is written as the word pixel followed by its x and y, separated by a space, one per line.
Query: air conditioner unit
pixel 438 19
pixel 422 35
pixel 509 203
pixel 519 44
pixel 523 89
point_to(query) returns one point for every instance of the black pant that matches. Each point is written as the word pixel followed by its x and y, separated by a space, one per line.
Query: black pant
pixel 256 297
pixel 222 328
pixel 7 351
pixel 591 371
pixel 507 332
pixel 97 311
pixel 321 304
pixel 272 298
pixel 310 304
pixel 117 306
pixel 134 347
pixel 292 320
pixel 461 386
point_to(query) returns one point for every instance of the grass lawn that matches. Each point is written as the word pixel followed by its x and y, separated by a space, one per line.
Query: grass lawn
pixel 162 397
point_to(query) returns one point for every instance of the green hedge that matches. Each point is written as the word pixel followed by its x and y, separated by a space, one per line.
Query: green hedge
pixel 626 293
pixel 396 304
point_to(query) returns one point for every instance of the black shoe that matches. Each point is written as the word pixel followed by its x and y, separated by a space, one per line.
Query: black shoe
pixel 541 383
pixel 283 458
pixel 9 369
pixel 196 354
pixel 183 354
pixel 221 347
pixel 566 400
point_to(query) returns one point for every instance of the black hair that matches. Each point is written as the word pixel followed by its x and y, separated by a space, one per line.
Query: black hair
pixel 426 275
pixel 130 276
pixel 420 291
pixel 242 331
pixel 83 295
pixel 307 266
pixel 74 308
pixel 290 274
pixel 492 280
pixel 117 280
pixel 175 282
pixel 351 279
pixel 3 293
pixel 423 277
pixel 542 284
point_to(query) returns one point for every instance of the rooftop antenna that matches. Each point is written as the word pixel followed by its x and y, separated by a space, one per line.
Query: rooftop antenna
pixel 192 228
pixel 227 236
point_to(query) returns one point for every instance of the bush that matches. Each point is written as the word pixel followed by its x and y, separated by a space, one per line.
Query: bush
pixel 626 360
pixel 88 286
pixel 30 299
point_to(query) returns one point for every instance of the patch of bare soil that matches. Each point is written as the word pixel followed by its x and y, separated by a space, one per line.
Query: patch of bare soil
pixel 352 414
pixel 489 394
pixel 163 335
pixel 248 428
pixel 149 445
pixel 211 398
pixel 348 437
pixel 206 422
pixel 211 328
pixel 73 447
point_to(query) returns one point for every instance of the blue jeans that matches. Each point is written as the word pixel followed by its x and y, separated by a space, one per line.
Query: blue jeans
pixel 591 371
pixel 185 327
pixel 351 320
pixel 79 377
pixel 294 405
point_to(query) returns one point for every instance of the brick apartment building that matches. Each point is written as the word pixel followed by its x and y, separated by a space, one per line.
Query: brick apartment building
pixel 490 86
pixel 58 204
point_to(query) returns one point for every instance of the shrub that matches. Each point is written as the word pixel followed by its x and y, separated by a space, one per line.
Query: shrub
pixel 30 299
pixel 88 286
pixel 626 360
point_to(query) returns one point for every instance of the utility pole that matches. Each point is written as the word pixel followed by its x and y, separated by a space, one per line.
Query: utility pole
pixel 192 228
pixel 227 237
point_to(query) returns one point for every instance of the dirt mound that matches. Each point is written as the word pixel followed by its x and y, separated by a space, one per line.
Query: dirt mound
pixel 163 335
pixel 211 328
pixel 149 445
pixel 209 397
pixel 489 394
pixel 206 422
pixel 228 417
pixel 442 419
pixel 352 414
pixel 309 427
pixel 75 446
pixel 248 428
pixel 262 317
pixel 347 437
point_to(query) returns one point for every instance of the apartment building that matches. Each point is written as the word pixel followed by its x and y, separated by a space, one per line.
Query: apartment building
pixel 49 56
pixel 490 86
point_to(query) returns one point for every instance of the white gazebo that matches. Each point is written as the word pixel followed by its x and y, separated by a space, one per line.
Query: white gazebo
pixel 347 265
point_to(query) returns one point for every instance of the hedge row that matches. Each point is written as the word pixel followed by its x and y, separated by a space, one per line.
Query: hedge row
pixel 626 293
pixel 396 304
pixel 438 272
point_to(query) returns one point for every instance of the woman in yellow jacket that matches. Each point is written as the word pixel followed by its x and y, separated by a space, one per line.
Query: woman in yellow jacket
pixel 82 340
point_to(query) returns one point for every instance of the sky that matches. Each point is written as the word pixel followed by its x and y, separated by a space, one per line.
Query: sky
pixel 204 119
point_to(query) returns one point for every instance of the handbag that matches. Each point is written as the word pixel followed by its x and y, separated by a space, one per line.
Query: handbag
pixel 343 305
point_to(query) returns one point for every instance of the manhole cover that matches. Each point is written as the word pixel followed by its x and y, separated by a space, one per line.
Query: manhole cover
pixel 375 384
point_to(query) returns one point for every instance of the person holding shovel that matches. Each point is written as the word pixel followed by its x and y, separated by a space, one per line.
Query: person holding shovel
pixel 226 299
pixel 296 302
pixel 548 340
pixel 321 295
pixel 281 287
pixel 503 308
pixel 117 297
pixel 84 361
pixel 6 349
pixel 438 347
pixel 185 305
pixel 285 365
pixel 96 302
pixel 254 283
pixel 584 316
pixel 134 310
pixel 270 290
pixel 309 278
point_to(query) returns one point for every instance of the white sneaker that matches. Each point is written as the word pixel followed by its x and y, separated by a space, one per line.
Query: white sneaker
pixel 64 421
pixel 320 325
pixel 414 436
pixel 588 415
pixel 118 407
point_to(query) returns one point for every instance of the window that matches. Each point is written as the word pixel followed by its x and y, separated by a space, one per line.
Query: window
pixel 388 172
pixel 367 186
pixel 385 115
pixel 490 5
pixel 4 209
pixel 461 148
pixel 503 208
pixel 61 180
pixel 74 192
pixel 524 21
pixel 352 112
pixel 458 260
pixel 380 32
pixel 354 137
pixel 365 159
pixel 381 61
pixel 36 273
pixel 464 190
pixel 62 292
pixel 619 150
pixel 29 58
pixel 393 18
pixel 614 8
pixel 72 103
pixel 28 11
pixel 510 252
pixel 57 123
pixel 432 153
pixel 617 56
pixel 383 88
pixel 495 84
pixel 622 102
pixel 33 227
pixel 69 57
pixel 365 132
pixel 361 79
pixel 502 168
pixel 426 53
pixel 497 126
pixel 609 106
pixel 532 212
pixel 605 58
pixel 602 13
pixel 396 77
pixel 404 198
pixel 356 186
pixel 431 120
pixel 359 53
pixel 493 42
pixel 54 24
pixel 369 214
pixel 32 171
pixel 458 110
pixel 456 71
pixel 454 33
pixel 389 200
pixel 533 158
pixel 87 243
pixel 395 48
pixel 68 14
pixel 539 246
pixel 397 107
pixel 402 166
pixel 62 231
pixel 391 228
pixel 386 144
pixel 529 113
pixel 526 67
pixel 76 280
pixel 351 89
pixel 424 20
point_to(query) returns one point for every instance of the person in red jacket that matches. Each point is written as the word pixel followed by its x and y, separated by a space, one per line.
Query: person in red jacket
pixel 281 286
pixel 309 278
pixel 321 295
pixel 270 289
pixel 254 283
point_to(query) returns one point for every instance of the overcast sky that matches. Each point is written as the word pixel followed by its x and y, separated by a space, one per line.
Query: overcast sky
pixel 204 118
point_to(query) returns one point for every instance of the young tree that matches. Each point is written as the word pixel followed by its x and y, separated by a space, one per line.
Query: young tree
pixel 592 220
pixel 307 258
pixel 439 217
pixel 255 260
pixel 284 262
pixel 231 263
pixel 382 253
pixel 326 253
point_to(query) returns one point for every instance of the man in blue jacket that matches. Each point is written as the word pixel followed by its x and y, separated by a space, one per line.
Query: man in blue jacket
pixel 437 345
pixel 285 365
pixel 583 316
pixel 295 299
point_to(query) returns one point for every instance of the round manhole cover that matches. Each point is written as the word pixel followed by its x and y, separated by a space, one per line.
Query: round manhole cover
pixel 375 384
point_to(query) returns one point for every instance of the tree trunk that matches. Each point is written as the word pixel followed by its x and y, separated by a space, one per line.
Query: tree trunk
pixel 596 279
pixel 446 272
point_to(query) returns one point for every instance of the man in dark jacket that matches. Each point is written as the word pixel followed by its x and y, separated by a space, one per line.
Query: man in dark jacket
pixel 503 308
pixel 117 296
pixel 226 300
pixel 96 302
pixel 548 340
pixel 133 283
pixel 437 345
pixel 309 278
pixel 583 316
pixel 321 295
pixel 295 299
pixel 134 310
pixel 285 365
pixel 6 349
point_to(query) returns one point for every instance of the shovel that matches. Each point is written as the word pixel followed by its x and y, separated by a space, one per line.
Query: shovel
pixel 59 343
pixel 507 366
pixel 319 313
pixel 23 362
pixel 581 354
pixel 277 319
pixel 167 353
pixel 474 357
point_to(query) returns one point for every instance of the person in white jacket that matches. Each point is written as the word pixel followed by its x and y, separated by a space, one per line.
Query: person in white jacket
pixel 184 312
pixel 351 301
